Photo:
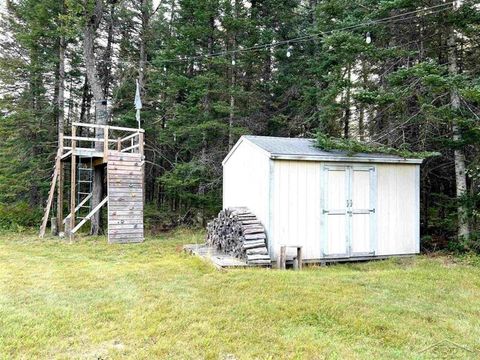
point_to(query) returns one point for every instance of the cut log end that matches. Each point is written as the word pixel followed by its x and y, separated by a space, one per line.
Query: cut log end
pixel 238 232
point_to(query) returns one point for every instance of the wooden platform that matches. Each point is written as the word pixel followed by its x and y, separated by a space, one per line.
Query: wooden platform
pixel 217 258
pixel 125 197
pixel 121 150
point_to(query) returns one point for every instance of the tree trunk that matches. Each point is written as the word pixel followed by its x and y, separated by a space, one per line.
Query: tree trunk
pixel 35 93
pixel 232 104
pixel 106 69
pixel 231 115
pixel 346 123
pixel 362 118
pixel 85 104
pixel 458 154
pixel 60 123
pixel 317 83
pixel 145 17
pixel 92 22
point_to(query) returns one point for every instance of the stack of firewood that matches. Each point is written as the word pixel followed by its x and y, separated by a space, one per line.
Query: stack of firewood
pixel 238 232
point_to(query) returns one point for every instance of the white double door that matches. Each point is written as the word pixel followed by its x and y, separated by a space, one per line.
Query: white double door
pixel 349 201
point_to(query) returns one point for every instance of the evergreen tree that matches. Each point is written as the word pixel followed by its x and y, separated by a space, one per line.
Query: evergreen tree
pixel 398 76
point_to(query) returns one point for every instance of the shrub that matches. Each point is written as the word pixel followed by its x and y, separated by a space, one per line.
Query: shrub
pixel 18 216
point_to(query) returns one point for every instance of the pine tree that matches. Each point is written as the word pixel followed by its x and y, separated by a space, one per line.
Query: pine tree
pixel 212 70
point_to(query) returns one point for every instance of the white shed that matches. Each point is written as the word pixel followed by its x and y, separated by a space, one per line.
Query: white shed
pixel 335 205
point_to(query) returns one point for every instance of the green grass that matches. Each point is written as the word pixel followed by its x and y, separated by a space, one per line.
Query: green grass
pixel 96 301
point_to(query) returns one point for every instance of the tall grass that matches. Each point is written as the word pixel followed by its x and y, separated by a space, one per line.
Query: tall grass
pixel 150 300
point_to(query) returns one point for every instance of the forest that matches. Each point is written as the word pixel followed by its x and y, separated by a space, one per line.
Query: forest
pixel 400 76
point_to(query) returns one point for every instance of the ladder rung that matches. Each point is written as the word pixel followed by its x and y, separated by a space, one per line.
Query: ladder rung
pixel 83 193
pixel 85 181
pixel 85 207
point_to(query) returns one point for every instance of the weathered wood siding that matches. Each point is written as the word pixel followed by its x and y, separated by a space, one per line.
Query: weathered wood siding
pixel 246 180
pixel 125 197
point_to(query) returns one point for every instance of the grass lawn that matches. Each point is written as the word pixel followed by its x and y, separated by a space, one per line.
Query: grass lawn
pixel 97 301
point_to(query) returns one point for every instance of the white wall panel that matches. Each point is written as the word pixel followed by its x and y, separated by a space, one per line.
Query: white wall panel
pixel 246 180
pixel 363 225
pixel 296 206
pixel 286 195
pixel 360 189
pixel 335 191
pixel 361 233
pixel 397 208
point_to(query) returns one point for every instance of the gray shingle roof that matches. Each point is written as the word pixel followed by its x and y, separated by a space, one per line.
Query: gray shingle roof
pixel 305 149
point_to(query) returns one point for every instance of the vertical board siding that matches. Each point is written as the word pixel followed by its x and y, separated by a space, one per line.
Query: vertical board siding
pixel 296 206
pixel 416 228
pixel 246 181
pixel 362 201
pixel 125 174
pixel 337 230
pixel 361 233
pixel 323 205
pixel 349 203
pixel 373 205
pixel 271 176
pixel 288 197
pixel 397 209
pixel 360 187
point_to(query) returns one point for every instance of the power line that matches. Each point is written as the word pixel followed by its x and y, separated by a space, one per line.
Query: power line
pixel 313 36
pixel 399 17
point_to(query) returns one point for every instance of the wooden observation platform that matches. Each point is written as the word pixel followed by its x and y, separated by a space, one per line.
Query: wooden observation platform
pixel 120 152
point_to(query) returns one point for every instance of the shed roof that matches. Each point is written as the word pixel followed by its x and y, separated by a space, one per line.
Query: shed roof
pixel 283 148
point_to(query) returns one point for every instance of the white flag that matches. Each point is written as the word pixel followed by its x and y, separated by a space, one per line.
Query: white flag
pixel 138 100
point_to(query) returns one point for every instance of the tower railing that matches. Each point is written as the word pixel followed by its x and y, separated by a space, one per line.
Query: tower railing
pixel 101 139
pixel 94 147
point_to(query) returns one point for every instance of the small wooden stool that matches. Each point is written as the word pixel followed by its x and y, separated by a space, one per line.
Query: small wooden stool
pixel 282 257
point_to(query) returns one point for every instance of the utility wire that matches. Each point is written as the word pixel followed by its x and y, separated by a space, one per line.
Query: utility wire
pixel 443 7
pixel 399 17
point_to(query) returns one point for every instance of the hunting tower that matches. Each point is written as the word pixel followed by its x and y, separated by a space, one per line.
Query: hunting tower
pixel 119 151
